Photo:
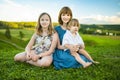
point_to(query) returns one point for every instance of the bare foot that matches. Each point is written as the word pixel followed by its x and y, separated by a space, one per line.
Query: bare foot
pixel 87 64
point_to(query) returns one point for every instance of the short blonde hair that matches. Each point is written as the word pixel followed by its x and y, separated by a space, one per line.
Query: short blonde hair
pixel 73 22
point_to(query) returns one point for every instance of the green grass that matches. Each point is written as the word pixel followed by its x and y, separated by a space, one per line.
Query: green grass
pixel 105 49
pixel 15 33
pixel 15 36
pixel 96 40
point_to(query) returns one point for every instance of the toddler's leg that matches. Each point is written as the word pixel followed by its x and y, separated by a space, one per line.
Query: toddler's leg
pixel 81 61
pixel 86 54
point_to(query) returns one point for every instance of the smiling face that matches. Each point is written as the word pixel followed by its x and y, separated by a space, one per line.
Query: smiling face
pixel 45 21
pixel 65 18
pixel 65 15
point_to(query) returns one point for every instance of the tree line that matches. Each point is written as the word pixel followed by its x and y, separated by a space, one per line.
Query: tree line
pixel 96 29
pixel 17 25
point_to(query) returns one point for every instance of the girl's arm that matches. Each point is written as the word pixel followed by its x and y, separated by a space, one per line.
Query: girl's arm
pixel 52 47
pixel 58 44
pixel 30 44
pixel 71 47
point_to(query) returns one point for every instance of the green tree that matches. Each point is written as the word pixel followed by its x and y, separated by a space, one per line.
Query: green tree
pixel 21 34
pixel 7 33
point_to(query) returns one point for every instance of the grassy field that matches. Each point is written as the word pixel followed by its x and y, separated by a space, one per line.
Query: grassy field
pixel 105 49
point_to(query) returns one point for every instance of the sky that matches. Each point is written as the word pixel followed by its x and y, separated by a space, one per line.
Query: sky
pixel 86 11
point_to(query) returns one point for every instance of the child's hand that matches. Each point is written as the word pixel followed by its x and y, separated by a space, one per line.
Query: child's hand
pixel 72 48
pixel 80 46
pixel 35 57
pixel 76 47
pixel 28 57
pixel 72 53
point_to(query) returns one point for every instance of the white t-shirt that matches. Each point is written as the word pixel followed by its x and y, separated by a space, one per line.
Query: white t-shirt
pixel 68 38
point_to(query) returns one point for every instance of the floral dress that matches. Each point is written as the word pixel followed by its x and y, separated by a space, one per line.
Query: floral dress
pixel 42 44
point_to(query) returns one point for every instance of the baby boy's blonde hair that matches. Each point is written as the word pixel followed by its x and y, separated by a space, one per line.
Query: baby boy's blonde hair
pixel 73 22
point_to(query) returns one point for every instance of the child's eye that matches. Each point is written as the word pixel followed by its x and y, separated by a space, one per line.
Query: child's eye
pixel 42 19
pixel 46 19
pixel 68 14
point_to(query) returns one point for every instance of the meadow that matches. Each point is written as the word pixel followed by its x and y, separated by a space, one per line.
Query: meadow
pixel 105 49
